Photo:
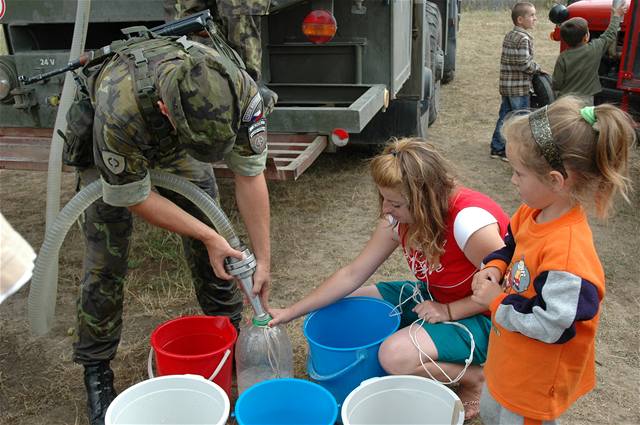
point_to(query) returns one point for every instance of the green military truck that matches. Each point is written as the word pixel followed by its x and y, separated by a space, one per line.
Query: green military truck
pixel 377 76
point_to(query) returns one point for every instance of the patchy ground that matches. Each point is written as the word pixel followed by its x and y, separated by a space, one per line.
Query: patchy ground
pixel 318 224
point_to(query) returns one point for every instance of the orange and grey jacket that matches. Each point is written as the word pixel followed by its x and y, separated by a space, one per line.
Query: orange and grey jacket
pixel 541 350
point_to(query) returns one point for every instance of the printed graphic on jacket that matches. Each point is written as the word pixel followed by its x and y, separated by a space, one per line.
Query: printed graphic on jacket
pixel 517 277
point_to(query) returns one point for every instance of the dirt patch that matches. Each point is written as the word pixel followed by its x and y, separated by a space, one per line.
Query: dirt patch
pixel 318 224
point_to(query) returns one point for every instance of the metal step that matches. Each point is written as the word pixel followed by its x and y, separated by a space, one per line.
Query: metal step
pixel 289 154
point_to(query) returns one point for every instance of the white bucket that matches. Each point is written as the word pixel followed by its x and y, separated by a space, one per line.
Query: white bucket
pixel 402 399
pixel 172 399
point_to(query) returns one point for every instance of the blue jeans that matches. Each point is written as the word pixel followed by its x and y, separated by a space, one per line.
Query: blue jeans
pixel 509 104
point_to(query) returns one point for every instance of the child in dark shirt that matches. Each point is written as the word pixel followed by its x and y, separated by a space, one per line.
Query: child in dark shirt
pixel 576 69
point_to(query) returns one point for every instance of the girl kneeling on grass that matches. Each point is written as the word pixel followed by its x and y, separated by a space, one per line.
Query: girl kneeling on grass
pixel 541 349
pixel 444 230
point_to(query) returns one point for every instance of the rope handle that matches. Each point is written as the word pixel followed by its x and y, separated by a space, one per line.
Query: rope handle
pixel 211 378
pixel 417 297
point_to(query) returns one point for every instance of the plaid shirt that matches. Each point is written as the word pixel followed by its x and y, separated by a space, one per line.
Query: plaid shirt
pixel 516 63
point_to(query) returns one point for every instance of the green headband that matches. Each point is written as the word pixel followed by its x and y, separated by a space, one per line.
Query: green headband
pixel 589 114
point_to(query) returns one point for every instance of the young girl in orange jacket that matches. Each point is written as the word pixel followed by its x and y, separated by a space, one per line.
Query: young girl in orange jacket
pixel 545 286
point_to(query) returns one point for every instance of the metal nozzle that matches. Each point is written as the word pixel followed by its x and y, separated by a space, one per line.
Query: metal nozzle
pixel 243 271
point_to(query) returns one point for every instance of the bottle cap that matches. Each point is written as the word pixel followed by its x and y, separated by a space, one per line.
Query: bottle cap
pixel 261 320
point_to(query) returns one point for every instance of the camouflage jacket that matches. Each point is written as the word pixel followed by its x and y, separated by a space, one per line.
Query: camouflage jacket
pixel 125 149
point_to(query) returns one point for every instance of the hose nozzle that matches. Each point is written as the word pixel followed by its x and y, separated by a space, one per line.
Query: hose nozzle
pixel 243 271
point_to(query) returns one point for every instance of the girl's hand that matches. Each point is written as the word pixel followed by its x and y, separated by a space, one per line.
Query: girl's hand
pixel 486 286
pixel 432 312
pixel 489 273
pixel 280 315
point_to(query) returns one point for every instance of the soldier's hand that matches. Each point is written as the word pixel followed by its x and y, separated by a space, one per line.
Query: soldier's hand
pixel 262 283
pixel 219 249
pixel 269 98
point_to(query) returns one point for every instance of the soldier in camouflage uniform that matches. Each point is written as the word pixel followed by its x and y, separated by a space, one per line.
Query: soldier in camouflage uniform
pixel 239 21
pixel 214 110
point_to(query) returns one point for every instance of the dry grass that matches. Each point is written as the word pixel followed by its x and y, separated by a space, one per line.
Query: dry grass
pixel 318 224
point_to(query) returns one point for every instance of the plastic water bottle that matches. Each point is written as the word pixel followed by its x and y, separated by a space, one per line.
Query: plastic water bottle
pixel 262 353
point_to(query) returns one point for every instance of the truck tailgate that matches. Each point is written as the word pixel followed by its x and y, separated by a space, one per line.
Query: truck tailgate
pixel 319 109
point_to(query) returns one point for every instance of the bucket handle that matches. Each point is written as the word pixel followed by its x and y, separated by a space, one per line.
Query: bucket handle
pixel 458 409
pixel 211 378
pixel 361 355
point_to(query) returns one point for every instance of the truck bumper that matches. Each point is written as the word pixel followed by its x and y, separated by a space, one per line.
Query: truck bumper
pixel 319 109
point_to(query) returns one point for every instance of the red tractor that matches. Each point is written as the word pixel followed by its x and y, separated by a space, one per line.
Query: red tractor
pixel 620 66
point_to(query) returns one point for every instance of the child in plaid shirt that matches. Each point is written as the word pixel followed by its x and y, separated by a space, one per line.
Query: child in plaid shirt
pixel 517 68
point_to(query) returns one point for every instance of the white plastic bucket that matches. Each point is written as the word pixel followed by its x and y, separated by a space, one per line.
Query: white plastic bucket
pixel 172 399
pixel 402 399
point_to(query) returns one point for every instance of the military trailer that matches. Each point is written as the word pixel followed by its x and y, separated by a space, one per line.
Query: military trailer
pixel 365 71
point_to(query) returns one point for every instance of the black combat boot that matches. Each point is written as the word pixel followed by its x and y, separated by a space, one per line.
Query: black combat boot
pixel 98 380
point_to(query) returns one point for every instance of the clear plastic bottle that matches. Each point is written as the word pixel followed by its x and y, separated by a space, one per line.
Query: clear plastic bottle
pixel 262 353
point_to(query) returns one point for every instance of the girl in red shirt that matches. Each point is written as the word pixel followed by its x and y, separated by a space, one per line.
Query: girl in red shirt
pixel 444 231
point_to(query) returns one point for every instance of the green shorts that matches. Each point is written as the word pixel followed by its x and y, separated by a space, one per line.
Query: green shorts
pixel 452 342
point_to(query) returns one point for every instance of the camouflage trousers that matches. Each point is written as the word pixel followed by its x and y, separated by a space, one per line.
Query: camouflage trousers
pixel 238 20
pixel 107 235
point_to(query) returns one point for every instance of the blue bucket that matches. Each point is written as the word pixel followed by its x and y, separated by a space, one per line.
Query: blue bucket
pixel 344 339
pixel 286 401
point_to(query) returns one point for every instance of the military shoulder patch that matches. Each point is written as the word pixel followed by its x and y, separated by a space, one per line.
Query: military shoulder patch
pixel 254 111
pixel 113 161
pixel 258 136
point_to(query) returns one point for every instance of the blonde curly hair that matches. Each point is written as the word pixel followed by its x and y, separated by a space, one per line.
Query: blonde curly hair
pixel 426 181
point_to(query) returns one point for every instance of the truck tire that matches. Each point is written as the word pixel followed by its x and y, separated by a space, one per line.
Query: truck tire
pixel 435 57
pixel 449 63
pixel 411 117
pixel 451 44
pixel 429 97
pixel 542 91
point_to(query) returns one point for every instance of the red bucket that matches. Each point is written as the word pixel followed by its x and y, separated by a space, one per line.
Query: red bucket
pixel 198 345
